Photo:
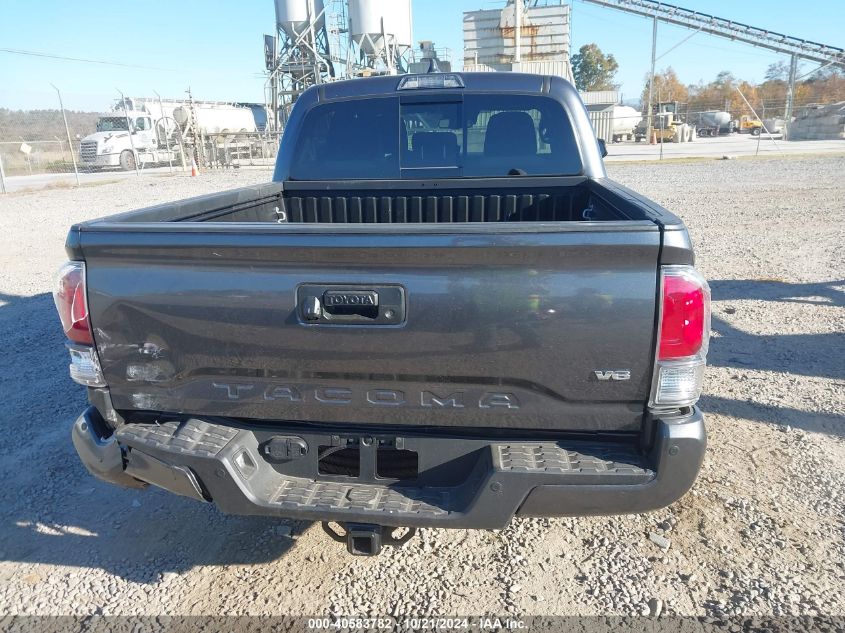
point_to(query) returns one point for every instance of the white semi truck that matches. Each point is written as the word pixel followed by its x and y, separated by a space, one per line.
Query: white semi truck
pixel 142 131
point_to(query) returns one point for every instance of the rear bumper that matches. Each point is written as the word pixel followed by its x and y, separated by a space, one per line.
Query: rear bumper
pixel 463 482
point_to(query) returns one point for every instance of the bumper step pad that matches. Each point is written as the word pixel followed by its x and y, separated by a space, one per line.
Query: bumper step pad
pixel 192 437
pixel 295 494
pixel 551 458
pixel 231 468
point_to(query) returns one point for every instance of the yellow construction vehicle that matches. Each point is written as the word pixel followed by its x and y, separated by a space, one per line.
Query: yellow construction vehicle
pixel 748 125
pixel 668 124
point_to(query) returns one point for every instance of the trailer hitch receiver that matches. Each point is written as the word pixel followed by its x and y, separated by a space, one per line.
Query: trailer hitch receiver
pixel 366 539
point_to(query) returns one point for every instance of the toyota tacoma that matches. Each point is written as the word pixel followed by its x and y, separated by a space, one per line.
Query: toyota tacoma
pixel 439 313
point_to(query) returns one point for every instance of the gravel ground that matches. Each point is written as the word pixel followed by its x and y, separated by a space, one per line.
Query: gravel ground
pixel 761 533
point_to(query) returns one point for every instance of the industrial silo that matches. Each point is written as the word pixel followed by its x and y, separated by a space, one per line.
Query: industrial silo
pixel 302 57
pixel 293 16
pixel 382 31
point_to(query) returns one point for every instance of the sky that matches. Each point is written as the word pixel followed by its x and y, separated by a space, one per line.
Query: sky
pixel 215 47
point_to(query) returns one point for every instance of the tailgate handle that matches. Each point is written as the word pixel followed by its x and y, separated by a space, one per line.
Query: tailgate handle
pixel 351 305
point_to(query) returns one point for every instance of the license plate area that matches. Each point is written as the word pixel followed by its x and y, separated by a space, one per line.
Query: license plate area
pixel 373 459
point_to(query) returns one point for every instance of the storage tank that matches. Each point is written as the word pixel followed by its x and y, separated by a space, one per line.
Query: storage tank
pixel 625 119
pixel 292 16
pixel 365 23
pixel 715 119
pixel 216 120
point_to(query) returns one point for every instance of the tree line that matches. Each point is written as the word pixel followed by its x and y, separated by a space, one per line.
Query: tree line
pixel 592 70
pixel 44 125
pixel 768 98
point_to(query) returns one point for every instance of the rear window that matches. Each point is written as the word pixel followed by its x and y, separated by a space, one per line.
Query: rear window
pixel 478 135
pixel 349 139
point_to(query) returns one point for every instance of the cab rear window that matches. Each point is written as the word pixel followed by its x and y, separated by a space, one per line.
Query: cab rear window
pixel 471 135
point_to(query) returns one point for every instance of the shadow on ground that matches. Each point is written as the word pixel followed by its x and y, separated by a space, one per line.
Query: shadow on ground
pixel 803 354
pixel 52 511
pixel 830 423
pixel 818 355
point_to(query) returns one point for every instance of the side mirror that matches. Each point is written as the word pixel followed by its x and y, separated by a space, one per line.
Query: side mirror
pixel 602 147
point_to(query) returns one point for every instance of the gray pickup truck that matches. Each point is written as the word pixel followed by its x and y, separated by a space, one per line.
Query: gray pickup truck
pixel 440 312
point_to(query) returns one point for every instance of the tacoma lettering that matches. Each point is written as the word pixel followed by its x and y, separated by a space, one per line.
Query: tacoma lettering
pixel 454 400
pixel 373 397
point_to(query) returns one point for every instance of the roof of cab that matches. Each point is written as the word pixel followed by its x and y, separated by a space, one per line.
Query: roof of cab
pixel 473 82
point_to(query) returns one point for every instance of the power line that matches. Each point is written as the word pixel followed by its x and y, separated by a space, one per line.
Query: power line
pixel 17 51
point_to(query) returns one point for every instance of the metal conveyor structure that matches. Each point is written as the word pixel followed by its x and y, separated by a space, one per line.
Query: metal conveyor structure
pixel 795 47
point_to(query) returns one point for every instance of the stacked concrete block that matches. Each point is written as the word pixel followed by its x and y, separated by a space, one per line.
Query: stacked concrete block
pixel 819 123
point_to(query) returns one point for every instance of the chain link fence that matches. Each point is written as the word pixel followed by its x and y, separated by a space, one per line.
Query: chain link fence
pixel 36 141
pixel 68 138
pixel 51 144
pixel 812 121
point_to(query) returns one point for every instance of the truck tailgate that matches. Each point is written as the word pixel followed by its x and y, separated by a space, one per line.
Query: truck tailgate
pixel 514 325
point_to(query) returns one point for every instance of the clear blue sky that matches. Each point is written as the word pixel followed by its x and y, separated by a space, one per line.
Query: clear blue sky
pixel 216 47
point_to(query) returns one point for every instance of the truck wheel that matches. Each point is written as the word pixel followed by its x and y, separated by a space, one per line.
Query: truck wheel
pixel 755 131
pixel 127 160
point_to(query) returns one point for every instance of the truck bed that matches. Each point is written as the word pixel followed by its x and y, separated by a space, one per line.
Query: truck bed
pixel 536 200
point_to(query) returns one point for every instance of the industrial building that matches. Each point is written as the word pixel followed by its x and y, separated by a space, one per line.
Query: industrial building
pixel 529 37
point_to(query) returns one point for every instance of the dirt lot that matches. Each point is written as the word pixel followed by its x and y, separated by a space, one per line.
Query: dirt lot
pixel 762 531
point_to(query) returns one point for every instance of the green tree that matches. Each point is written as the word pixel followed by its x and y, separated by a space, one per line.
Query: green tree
pixel 778 71
pixel 593 70
pixel 719 94
pixel 667 87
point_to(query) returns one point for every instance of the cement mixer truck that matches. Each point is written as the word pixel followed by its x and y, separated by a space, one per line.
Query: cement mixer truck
pixel 713 123
pixel 140 131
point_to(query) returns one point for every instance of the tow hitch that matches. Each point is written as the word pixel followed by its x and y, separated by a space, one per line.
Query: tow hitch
pixel 366 539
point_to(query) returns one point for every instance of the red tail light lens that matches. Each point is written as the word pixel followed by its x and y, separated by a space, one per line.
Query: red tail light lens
pixel 72 303
pixel 685 322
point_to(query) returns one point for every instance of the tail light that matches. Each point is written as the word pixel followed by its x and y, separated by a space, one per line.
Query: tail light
pixel 72 304
pixel 683 337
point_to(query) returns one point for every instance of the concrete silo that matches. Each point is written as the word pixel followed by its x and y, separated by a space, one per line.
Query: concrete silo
pixel 382 32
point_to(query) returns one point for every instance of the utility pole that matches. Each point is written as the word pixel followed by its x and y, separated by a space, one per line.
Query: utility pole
pixel 517 13
pixel 790 93
pixel 67 131
pixel 649 121
pixel 166 132
pixel 312 41
pixel 3 176
pixel 274 100
pixel 129 131
pixel 198 153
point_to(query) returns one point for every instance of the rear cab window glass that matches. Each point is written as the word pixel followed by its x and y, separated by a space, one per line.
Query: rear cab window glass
pixel 431 134
pixel 349 139
pixel 470 135
pixel 531 134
